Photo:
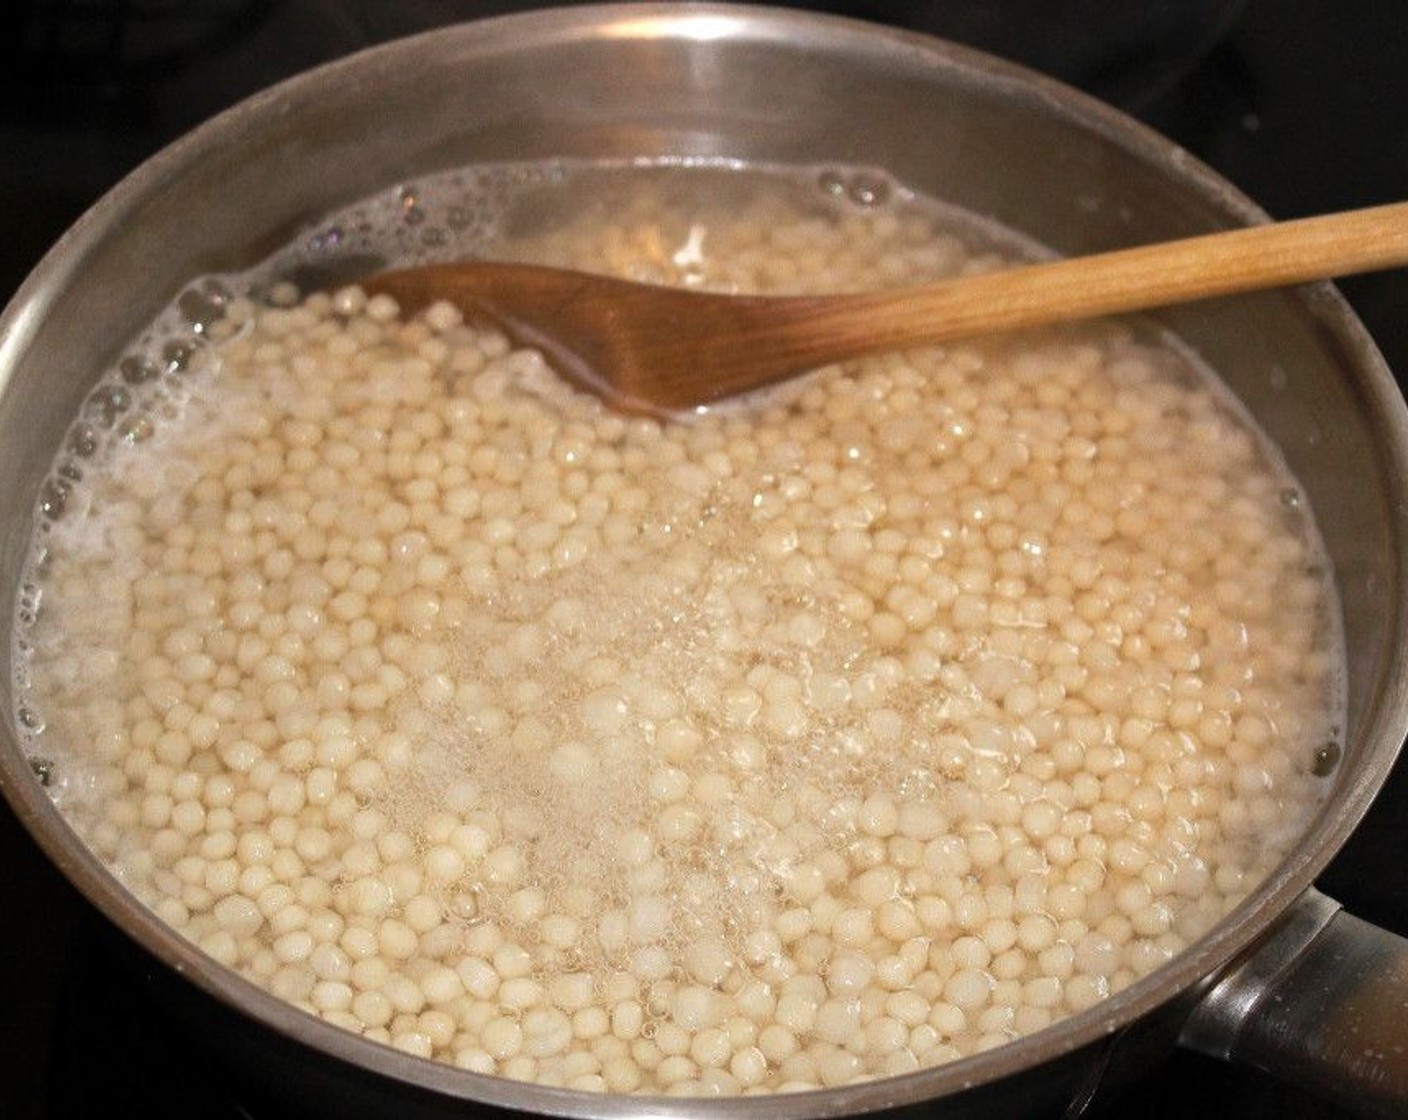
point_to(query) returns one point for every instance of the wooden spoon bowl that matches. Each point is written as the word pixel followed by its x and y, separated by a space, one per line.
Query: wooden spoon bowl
pixel 657 349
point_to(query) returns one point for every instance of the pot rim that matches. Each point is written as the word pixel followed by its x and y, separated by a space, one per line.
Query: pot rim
pixel 1185 974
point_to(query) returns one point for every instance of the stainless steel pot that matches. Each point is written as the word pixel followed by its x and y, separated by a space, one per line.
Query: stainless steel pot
pixel 1288 981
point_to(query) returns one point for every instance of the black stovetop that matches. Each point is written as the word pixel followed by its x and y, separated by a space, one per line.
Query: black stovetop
pixel 1302 105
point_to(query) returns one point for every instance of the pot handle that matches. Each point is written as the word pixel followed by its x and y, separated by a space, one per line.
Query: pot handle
pixel 1321 1003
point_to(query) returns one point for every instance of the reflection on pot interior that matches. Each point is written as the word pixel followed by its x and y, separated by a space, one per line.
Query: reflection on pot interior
pixel 869 722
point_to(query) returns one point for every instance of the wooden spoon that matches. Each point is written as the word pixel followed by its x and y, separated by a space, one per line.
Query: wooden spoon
pixel 657 349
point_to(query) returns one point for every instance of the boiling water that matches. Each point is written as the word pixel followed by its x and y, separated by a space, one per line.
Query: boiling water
pixel 860 725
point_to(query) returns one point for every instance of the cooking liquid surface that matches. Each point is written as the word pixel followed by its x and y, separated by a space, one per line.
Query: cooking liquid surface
pixel 860 725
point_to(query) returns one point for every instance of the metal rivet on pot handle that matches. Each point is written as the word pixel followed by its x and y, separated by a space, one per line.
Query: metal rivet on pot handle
pixel 1322 1003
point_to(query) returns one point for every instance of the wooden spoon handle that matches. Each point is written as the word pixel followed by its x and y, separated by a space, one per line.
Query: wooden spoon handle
pixel 1149 276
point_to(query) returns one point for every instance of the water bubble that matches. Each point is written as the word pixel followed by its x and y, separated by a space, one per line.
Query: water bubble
pixel 204 306
pixel 109 402
pixel 30 720
pixel 136 369
pixel 83 440
pixel 178 354
pixel 832 183
pixel 868 190
pixel 1290 498
pixel 1326 758
pixel 194 310
pixel 53 498
pixel 43 770
pixel 69 471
